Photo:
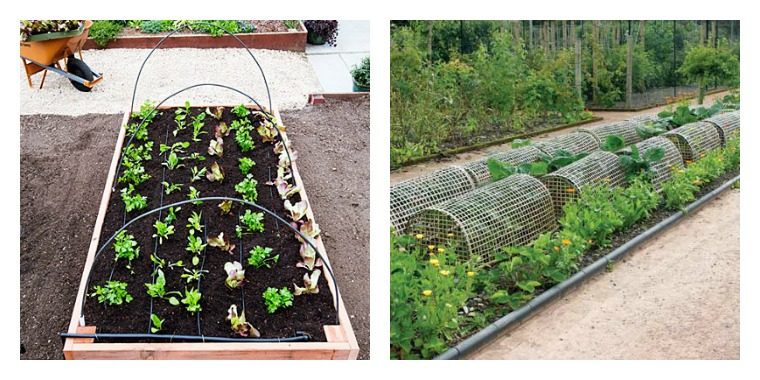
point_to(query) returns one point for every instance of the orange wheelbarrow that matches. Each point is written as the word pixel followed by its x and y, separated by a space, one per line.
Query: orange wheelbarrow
pixel 44 52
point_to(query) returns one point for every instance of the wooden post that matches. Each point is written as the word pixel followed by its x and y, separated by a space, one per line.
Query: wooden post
pixel 629 73
pixel 715 33
pixel 702 32
pixel 430 41
pixel 642 33
pixel 578 62
pixel 530 34
pixel 594 68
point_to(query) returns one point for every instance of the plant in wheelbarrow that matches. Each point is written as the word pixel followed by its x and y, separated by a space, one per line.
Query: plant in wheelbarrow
pixel 320 32
pixel 360 76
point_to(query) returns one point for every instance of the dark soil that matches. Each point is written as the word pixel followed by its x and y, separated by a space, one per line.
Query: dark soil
pixel 60 196
pixel 617 240
pixel 309 312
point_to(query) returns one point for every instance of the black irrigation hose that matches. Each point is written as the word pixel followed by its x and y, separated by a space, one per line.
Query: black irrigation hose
pixel 495 329
pixel 305 238
pixel 155 240
pixel 266 114
pixel 203 263
pixel 160 42
pixel 299 336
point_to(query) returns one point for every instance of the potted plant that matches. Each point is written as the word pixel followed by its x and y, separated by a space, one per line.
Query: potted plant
pixel 320 32
pixel 360 76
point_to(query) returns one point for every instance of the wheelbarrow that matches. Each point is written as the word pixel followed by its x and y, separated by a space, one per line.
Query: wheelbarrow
pixel 44 52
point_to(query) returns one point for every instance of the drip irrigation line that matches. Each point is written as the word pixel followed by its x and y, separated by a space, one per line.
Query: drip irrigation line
pixel 308 240
pixel 240 257
pixel 299 336
pixel 161 41
pixel 203 263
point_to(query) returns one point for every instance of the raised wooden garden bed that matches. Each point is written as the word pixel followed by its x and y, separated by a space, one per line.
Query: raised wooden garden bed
pixel 289 41
pixel 329 340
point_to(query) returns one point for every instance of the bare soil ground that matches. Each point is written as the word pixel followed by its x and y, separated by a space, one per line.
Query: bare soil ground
pixel 675 297
pixel 412 171
pixel 60 195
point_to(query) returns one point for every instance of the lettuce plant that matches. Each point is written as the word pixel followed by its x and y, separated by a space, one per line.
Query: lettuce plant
pixel 266 131
pixel 173 161
pixel 158 288
pixel 277 299
pixel 113 293
pixel 239 324
pixel 216 174
pixel 216 114
pixel 163 231
pixel 194 194
pixel 177 147
pixel 180 118
pixel 216 147
pixel 221 130
pixel 171 187
pixel 298 210
pixel 308 257
pixel 195 246
pixel 243 139
pixel 134 173
pixel 246 164
pixel 309 284
pixel 225 207
pixel 191 275
pixel 198 126
pixel 194 221
pixel 284 188
pixel 171 215
pixel 222 242
pixel 241 111
pixel 235 274
pixel 156 323
pixel 252 221
pixel 196 157
pixel 197 174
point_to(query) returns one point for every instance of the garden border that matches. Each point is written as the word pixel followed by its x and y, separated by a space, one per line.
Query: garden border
pixel 288 41
pixel 516 317
pixel 498 141
pixel 341 341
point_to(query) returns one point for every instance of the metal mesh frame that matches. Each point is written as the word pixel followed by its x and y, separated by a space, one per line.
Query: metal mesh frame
pixel 726 123
pixel 574 143
pixel 512 211
pixel 694 139
pixel 662 169
pixel 624 129
pixel 478 170
pixel 641 119
pixel 567 183
pixel 412 196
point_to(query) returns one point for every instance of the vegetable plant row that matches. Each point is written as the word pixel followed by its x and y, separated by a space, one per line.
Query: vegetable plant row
pixel 438 300
pixel 208 268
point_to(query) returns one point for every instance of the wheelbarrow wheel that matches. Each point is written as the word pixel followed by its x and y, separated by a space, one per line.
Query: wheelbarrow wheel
pixel 80 69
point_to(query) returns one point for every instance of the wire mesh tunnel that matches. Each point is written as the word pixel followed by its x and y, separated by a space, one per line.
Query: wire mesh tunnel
pixel 694 139
pixel 624 129
pixel 574 143
pixel 478 170
pixel 567 183
pixel 412 196
pixel 511 211
pixel 726 124
pixel 641 119
pixel 663 169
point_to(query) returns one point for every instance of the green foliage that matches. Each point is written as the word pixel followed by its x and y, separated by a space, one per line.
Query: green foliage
pixel 104 31
pixel 171 187
pixel 194 221
pixel 241 111
pixel 113 293
pixel 262 257
pixel 361 73
pixel 703 64
pixel 192 300
pixel 156 323
pixel 197 174
pixel 246 164
pixel 158 288
pixel 163 231
pixel 194 194
pixel 132 200
pixel 181 115
pixel 277 299
pixel 126 247
pixel 194 243
pixel 198 126
pixel 613 143
pixel 427 294
pixel 251 222
pixel 637 164
pixel 156 26
pixel 173 161
pixel 244 139
pixel 247 188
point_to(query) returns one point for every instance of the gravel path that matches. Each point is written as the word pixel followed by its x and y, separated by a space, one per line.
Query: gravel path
pixel 412 171
pixel 290 76
pixel 675 297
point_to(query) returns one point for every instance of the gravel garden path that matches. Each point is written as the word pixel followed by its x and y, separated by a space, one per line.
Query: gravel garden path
pixel 290 76
pixel 675 297
pixel 412 171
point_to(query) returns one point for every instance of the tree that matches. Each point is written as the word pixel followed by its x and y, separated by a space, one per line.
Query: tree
pixel 706 63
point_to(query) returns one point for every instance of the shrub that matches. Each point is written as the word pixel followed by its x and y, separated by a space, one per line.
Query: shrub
pixel 104 31
pixel 361 73
pixel 155 26
pixel 326 29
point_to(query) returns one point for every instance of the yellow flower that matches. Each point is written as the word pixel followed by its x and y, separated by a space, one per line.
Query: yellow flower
pixel 696 182
pixel 590 241
pixel 688 162
pixel 701 155
pixel 449 305
pixel 570 190
pixel 441 250
pixel 470 274
pixel 444 272
pixel 434 262
pixel 556 248
pixel 565 242
pixel 427 292
pixel 450 234
pixel 607 180
pixel 431 247
pixel 419 236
